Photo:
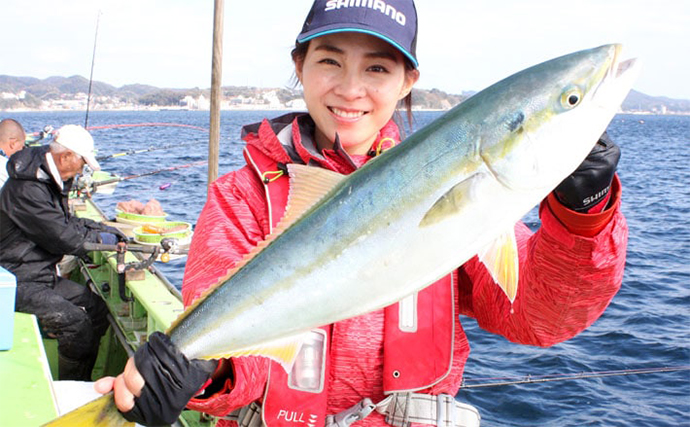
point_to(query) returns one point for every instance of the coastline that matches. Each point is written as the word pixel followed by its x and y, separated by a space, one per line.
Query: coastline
pixel 253 107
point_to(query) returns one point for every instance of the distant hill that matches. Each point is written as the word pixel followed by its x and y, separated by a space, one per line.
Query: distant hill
pixel 640 102
pixel 30 92
pixel 53 86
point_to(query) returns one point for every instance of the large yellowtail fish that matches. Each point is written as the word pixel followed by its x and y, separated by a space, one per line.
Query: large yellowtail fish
pixel 452 190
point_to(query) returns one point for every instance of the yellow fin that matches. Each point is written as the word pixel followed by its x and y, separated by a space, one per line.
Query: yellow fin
pixel 501 259
pixel 284 351
pixel 99 412
pixel 452 202
pixel 308 185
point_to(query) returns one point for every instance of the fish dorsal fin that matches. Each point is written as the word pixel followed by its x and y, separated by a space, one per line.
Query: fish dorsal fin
pixel 501 259
pixel 284 351
pixel 308 186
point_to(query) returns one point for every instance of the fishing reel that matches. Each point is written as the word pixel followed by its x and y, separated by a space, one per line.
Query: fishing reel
pixel 85 183
pixel 88 184
pixel 170 246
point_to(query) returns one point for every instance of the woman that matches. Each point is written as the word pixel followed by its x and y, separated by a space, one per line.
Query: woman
pixel 356 62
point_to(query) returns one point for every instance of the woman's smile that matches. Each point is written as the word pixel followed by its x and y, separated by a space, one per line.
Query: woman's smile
pixel 347 115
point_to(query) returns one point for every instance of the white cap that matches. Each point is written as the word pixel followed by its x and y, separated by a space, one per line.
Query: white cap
pixel 79 140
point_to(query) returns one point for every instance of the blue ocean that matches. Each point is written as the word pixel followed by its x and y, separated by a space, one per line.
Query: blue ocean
pixel 646 327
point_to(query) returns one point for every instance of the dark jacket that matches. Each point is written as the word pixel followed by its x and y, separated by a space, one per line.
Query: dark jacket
pixel 36 228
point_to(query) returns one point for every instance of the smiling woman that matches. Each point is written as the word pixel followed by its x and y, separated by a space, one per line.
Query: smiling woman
pixel 356 64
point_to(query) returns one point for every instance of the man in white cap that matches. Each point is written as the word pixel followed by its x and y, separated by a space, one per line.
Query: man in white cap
pixel 71 149
pixel 37 230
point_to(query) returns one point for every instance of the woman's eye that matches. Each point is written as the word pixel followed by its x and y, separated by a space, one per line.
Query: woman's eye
pixel 378 68
pixel 328 61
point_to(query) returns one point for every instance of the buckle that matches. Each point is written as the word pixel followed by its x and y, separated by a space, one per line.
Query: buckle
pixel 356 413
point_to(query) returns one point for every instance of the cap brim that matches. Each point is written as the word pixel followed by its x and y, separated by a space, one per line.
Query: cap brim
pixel 91 161
pixel 309 35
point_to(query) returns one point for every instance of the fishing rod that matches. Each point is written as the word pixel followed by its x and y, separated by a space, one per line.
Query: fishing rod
pixel 129 125
pixel 93 62
pixel 530 379
pixel 34 137
pixel 143 150
pixel 124 178
pixel 167 247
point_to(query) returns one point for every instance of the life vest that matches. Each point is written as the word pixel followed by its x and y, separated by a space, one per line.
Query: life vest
pixel 418 334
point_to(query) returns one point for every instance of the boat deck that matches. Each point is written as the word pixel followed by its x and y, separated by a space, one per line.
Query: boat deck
pixel 26 392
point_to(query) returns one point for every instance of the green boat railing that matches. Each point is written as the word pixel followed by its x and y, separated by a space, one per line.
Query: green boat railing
pixel 151 303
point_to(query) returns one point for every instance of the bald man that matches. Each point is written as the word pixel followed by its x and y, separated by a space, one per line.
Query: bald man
pixel 12 137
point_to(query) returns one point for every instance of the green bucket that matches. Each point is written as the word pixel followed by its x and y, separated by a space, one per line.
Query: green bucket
pixel 140 218
pixel 142 235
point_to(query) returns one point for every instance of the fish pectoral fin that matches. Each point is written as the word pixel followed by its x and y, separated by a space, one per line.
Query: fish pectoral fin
pixel 283 351
pixel 501 259
pixel 452 202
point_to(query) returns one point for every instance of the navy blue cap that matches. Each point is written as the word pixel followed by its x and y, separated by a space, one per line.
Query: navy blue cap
pixel 394 21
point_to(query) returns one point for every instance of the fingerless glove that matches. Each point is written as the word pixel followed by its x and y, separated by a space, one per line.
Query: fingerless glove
pixel 171 380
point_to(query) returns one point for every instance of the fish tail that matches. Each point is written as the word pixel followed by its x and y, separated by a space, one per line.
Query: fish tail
pixel 98 412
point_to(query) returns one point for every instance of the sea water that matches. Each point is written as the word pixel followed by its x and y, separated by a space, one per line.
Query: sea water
pixel 646 326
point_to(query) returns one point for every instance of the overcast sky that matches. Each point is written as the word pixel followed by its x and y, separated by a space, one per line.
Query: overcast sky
pixel 463 45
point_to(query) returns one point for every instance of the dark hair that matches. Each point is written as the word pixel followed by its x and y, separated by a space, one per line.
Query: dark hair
pixel 299 53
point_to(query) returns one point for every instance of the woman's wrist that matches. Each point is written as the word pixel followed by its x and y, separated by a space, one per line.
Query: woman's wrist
pixel 586 224
pixel 220 382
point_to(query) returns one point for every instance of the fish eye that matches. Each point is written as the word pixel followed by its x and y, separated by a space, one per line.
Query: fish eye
pixel 571 98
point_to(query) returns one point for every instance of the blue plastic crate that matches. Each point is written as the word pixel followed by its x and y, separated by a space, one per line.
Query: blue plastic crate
pixel 8 291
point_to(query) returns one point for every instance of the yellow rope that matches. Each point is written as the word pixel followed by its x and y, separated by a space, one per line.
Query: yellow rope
pixel 380 144
pixel 266 179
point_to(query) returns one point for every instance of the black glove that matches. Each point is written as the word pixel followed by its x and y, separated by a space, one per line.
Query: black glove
pixel 171 381
pixel 590 184
pixel 107 238
pixel 99 226
pixel 122 237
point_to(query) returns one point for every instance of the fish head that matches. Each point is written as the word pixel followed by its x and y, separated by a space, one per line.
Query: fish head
pixel 551 115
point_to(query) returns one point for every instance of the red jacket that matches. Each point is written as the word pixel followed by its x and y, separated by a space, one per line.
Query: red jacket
pixel 552 304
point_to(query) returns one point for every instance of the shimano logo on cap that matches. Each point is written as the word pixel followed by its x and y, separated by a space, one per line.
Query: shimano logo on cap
pixel 379 5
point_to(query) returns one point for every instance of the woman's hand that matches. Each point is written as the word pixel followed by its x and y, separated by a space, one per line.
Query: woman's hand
pixel 157 382
pixel 125 386
pixel 587 189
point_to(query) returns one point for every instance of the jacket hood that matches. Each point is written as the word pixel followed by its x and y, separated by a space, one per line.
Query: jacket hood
pixel 25 164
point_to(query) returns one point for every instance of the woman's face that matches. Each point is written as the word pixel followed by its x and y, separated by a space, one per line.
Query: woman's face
pixel 352 83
